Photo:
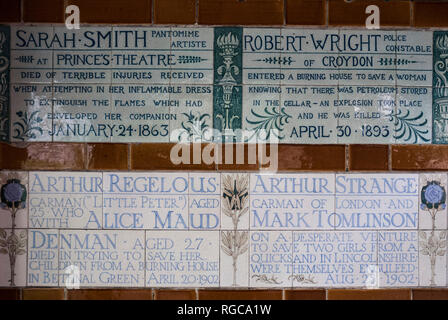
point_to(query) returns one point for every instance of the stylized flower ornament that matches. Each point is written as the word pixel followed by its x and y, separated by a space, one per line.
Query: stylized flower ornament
pixel 433 196
pixel 236 194
pixel 13 194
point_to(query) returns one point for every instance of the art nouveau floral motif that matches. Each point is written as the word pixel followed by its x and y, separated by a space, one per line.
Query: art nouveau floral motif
pixel 13 185
pixel 227 92
pixel 13 195
pixel 228 45
pixel 27 126
pixel 433 197
pixel 235 205
pixel 194 127
pixel 432 243
pixel 13 244
pixel 432 206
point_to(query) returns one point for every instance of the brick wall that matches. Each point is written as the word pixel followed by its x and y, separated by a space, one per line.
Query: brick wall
pixel 203 294
pixel 91 156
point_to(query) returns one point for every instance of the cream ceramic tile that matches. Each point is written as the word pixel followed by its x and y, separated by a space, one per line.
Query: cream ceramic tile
pixel 13 254
pixel 31 117
pixel 366 57
pixel 145 67
pixel 191 107
pixel 414 58
pixel 83 56
pixel 334 258
pixel 182 259
pixel 270 259
pixel 234 259
pixel 144 113
pixel 204 201
pixel 376 201
pixel 291 201
pixel 432 201
pixel 262 115
pixel 84 117
pixel 43 258
pixel 66 200
pixel 432 258
pixel 14 199
pixel 235 201
pixel 309 57
pixel 144 58
pixel 151 200
pixel 367 69
pixel 192 67
pixel 261 56
pixel 413 115
pixel 365 114
pixel 192 50
pixel 31 54
pixel 112 258
pixel 398 258
pixel 82 67
pixel 313 115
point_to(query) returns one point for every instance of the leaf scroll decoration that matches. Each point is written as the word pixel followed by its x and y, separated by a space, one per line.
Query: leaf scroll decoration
pixel 28 126
pixel 409 128
pixel 195 126
pixel 272 121
pixel 433 246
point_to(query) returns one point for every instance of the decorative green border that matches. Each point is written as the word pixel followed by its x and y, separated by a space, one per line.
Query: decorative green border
pixel 227 79
pixel 5 37
pixel 440 88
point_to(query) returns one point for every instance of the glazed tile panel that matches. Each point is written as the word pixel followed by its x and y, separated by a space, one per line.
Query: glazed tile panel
pixel 157 229
pixel 170 84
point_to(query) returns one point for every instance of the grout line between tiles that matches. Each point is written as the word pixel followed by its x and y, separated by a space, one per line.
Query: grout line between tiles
pixel 285 6
pixel 86 156
pixel 196 12
pixel 145 262
pixel 347 158
pixel 129 156
pixel 66 3
pixel 21 10
pixel 152 10
pixel 389 158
